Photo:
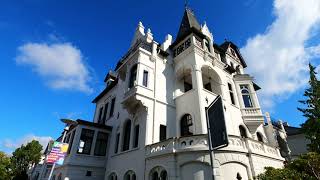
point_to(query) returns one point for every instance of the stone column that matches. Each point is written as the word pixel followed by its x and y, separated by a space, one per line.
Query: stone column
pixel 198 86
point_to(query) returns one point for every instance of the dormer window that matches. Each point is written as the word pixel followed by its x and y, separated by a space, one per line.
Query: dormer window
pixel 246 96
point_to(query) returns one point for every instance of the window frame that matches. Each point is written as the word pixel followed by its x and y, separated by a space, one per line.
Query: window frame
pixel 145 78
pixel 186 123
pixel 101 144
pixel 133 76
pixel 246 96
pixel 231 93
pixel 126 136
pixel 162 132
pixel 100 114
pixel 91 141
pixel 136 136
pixel 105 112
pixel 113 102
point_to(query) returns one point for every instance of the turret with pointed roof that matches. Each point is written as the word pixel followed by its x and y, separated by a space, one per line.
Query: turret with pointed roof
pixel 189 24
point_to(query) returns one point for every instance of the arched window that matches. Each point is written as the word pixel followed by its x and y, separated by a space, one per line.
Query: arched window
pixel 133 76
pixel 259 136
pixel 163 175
pixel 243 132
pixel 186 125
pixel 112 176
pixel 130 175
pixel 155 176
pixel 246 96
pixel 158 173
pixel 126 135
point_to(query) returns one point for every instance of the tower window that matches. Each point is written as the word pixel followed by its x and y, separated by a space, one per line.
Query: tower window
pixel 145 78
pixel 186 125
pixel 231 94
pixel 163 132
pixel 246 96
pixel 136 136
pixel 133 76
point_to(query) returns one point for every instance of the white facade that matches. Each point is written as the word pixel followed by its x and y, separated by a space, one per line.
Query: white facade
pixel 158 120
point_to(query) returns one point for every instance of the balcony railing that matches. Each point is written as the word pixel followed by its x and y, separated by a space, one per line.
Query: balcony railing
pixel 251 112
pixel 200 142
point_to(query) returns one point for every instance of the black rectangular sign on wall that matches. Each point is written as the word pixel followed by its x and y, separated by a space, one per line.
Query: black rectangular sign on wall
pixel 216 124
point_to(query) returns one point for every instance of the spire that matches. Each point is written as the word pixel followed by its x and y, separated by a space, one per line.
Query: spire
pixel 188 22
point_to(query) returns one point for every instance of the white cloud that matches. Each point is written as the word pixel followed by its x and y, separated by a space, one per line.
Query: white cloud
pixel 278 58
pixel 60 64
pixel 10 145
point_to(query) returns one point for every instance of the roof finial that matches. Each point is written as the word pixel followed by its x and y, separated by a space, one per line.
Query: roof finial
pixel 186 2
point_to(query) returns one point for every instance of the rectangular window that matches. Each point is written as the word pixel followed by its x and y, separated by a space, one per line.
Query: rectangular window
pixel 231 94
pixel 112 107
pixel 187 86
pixel 105 113
pixel 145 78
pixel 101 144
pixel 71 141
pixel 117 143
pixel 133 76
pixel 136 136
pixel 100 115
pixel 246 96
pixel 85 143
pixel 163 132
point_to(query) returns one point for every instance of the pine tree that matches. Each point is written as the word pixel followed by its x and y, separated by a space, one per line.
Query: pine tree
pixel 311 111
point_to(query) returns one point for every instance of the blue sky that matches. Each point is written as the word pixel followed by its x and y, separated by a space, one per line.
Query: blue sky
pixel 93 35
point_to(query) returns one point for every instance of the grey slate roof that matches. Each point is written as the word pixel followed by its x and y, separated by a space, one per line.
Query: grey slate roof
pixel 188 21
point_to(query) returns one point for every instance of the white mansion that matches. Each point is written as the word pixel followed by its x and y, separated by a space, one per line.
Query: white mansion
pixel 150 120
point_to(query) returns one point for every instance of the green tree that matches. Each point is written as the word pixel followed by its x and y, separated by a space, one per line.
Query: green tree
pixel 311 111
pixel 25 157
pixel 5 171
pixel 305 167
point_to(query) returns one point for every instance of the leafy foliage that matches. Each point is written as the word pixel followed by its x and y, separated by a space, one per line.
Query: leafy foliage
pixel 25 157
pixel 5 171
pixel 311 127
pixel 305 167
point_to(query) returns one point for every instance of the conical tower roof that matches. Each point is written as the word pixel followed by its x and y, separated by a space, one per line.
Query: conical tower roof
pixel 188 22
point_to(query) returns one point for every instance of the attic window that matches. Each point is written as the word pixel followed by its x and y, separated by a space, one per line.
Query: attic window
pixel 233 52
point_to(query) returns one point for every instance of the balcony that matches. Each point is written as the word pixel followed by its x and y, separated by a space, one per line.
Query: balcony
pixel 132 97
pixel 252 117
pixel 200 143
